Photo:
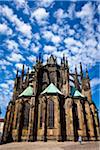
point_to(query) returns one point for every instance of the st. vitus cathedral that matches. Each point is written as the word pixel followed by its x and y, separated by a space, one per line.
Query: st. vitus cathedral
pixel 51 103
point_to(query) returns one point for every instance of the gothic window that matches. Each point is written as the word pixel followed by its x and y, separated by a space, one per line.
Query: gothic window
pixel 41 108
pixel 77 120
pixel 51 114
pixel 16 115
pixel 26 115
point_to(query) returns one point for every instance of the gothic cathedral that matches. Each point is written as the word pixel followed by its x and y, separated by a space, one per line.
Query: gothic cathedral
pixel 51 103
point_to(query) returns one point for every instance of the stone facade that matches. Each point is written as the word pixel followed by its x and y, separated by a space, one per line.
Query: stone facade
pixel 61 117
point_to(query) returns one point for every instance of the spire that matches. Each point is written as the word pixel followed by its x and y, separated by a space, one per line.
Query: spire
pixel 61 61
pixel 28 70
pixel 23 69
pixel 17 73
pixel 81 71
pixel 36 59
pixel 87 75
pixel 64 58
pixel 67 63
pixel 22 72
pixel 76 79
pixel 75 70
pixel 27 77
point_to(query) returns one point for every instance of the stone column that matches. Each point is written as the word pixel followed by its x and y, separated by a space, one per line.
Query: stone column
pixel 10 127
pixel 57 118
pixel 96 121
pixel 31 119
pixel 6 125
pixel 44 121
pixel 89 121
pixel 69 119
pixel 82 127
pixel 43 118
pixel 15 114
pixel 97 125
pixel 19 121
pixel 39 129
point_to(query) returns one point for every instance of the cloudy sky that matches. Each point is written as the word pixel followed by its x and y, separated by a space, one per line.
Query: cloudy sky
pixel 49 27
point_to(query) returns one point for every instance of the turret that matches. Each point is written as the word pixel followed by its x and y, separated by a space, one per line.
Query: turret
pixel 17 74
pixel 65 76
pixel 15 86
pixel 64 58
pixel 16 81
pixel 27 77
pixel 63 61
pixel 67 79
pixel 76 81
pixel 86 89
pixel 22 75
pixel 66 62
pixel 81 71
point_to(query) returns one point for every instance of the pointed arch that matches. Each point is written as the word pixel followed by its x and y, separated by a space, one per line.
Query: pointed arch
pixel 51 114
pixel 26 115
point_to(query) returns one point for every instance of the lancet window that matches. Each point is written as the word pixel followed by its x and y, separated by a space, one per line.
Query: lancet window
pixel 51 114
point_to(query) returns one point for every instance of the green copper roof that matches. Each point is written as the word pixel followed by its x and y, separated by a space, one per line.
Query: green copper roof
pixel 27 92
pixel 77 93
pixel 51 89
pixel 72 90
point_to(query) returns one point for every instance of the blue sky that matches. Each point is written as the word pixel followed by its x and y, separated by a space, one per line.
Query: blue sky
pixel 49 27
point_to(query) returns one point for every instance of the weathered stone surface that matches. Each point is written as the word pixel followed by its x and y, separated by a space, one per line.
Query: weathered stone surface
pixel 66 118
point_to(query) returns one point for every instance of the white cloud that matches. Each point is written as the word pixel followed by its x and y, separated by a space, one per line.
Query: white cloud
pixel 54 27
pixel 49 36
pixel 24 42
pixel 45 3
pixel 35 48
pixel 56 39
pixel 20 66
pixel 4 62
pixel 71 41
pixel 10 82
pixel 85 11
pixel 45 57
pixel 24 28
pixel 95 82
pixel 60 15
pixel 49 48
pixel 36 36
pixel 32 58
pixel 14 57
pixel 4 85
pixel 4 29
pixel 12 45
pixel 40 15
pixel 91 42
pixel 22 4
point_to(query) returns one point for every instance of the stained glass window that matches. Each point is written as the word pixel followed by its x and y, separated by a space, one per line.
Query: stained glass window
pixel 51 114
pixel 26 115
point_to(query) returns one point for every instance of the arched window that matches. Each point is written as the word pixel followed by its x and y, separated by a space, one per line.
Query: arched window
pixel 76 113
pixel 51 114
pixel 26 115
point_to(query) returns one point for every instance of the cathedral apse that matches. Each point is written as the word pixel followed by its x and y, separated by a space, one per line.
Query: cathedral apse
pixel 51 103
